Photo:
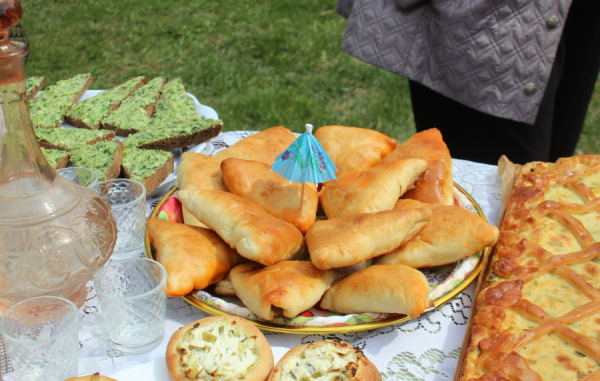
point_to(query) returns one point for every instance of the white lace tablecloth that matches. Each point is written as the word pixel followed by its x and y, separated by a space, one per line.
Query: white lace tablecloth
pixel 426 348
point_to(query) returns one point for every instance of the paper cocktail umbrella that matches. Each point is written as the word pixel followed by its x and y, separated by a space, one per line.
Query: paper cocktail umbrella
pixel 305 161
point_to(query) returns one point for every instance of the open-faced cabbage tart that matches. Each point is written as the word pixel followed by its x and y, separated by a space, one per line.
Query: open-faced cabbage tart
pixel 538 318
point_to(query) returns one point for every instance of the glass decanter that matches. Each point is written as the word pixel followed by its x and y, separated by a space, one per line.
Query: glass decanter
pixel 54 235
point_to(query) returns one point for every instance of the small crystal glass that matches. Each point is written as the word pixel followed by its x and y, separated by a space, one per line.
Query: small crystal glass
pixel 127 199
pixel 80 176
pixel 41 338
pixel 133 297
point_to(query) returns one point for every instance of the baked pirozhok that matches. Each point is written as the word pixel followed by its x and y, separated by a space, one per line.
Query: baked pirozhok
pixel 390 288
pixel 436 186
pixel 370 191
pixel 454 233
pixel 347 241
pixel 325 360
pixel 256 182
pixel 287 288
pixel 354 149
pixel 219 348
pixel 194 257
pixel 264 146
pixel 245 226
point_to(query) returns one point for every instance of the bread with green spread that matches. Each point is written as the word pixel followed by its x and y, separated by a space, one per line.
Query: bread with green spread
pixel 172 136
pixel 175 106
pixel 135 112
pixel 48 109
pixel 326 360
pixel 90 112
pixel 34 86
pixel 219 348
pixel 105 158
pixel 150 167
pixel 68 138
pixel 56 158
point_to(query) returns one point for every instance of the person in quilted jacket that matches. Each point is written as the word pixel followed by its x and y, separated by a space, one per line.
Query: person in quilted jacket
pixel 496 77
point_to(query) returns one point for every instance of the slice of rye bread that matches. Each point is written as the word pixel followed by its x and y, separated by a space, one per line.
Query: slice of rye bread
pixel 135 112
pixel 34 86
pixel 150 167
pixel 169 137
pixel 90 112
pixel 68 138
pixel 48 109
pixel 109 154
pixel 56 158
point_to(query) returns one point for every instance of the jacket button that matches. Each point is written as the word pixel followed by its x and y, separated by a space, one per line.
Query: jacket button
pixel 530 89
pixel 552 22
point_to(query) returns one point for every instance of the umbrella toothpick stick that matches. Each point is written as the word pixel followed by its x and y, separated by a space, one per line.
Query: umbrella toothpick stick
pixel 302 196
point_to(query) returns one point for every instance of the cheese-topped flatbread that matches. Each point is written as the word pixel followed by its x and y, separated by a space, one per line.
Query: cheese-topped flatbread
pixel 350 240
pixel 390 288
pixel 354 149
pixel 286 288
pixel 245 226
pixel 436 186
pixel 194 257
pixel 256 182
pixel 370 191
pixel 198 171
pixel 264 146
pixel 453 234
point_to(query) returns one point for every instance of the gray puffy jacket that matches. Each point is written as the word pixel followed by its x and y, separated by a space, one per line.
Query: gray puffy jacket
pixel 492 55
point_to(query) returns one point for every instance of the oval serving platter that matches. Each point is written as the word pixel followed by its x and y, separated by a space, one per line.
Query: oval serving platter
pixel 446 282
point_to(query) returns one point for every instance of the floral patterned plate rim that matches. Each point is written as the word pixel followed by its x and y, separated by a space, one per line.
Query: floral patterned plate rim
pixel 446 282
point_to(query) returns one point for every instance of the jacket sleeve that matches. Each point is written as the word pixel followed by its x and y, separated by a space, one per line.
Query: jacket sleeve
pixel 406 4
pixel 344 7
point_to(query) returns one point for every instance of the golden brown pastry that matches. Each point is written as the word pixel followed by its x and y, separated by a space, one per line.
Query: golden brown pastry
pixel 325 360
pixel 219 348
pixel 194 257
pixel 453 234
pixel 347 241
pixel 264 146
pixel 245 226
pixel 436 186
pixel 370 191
pixel 353 148
pixel 224 287
pixel 92 377
pixel 390 288
pixel 256 182
pixel 198 171
pixel 287 288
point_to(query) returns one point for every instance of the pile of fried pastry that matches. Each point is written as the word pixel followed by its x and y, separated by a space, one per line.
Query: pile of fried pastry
pixel 248 232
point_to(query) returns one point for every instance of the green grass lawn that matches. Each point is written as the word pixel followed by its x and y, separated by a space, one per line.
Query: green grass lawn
pixel 258 64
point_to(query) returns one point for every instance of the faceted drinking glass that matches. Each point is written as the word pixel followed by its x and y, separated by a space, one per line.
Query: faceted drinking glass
pixel 127 199
pixel 80 176
pixel 41 338
pixel 133 297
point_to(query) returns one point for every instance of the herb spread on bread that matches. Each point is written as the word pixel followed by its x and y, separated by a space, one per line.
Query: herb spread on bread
pixel 175 106
pixel 142 163
pixel 92 110
pixel 98 157
pixel 218 351
pixel 33 83
pixel 133 115
pixel 54 156
pixel 69 138
pixel 330 361
pixel 157 133
pixel 48 109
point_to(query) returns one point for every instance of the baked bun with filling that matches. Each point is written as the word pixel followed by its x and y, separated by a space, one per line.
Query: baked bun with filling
pixel 219 348
pixel 326 360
